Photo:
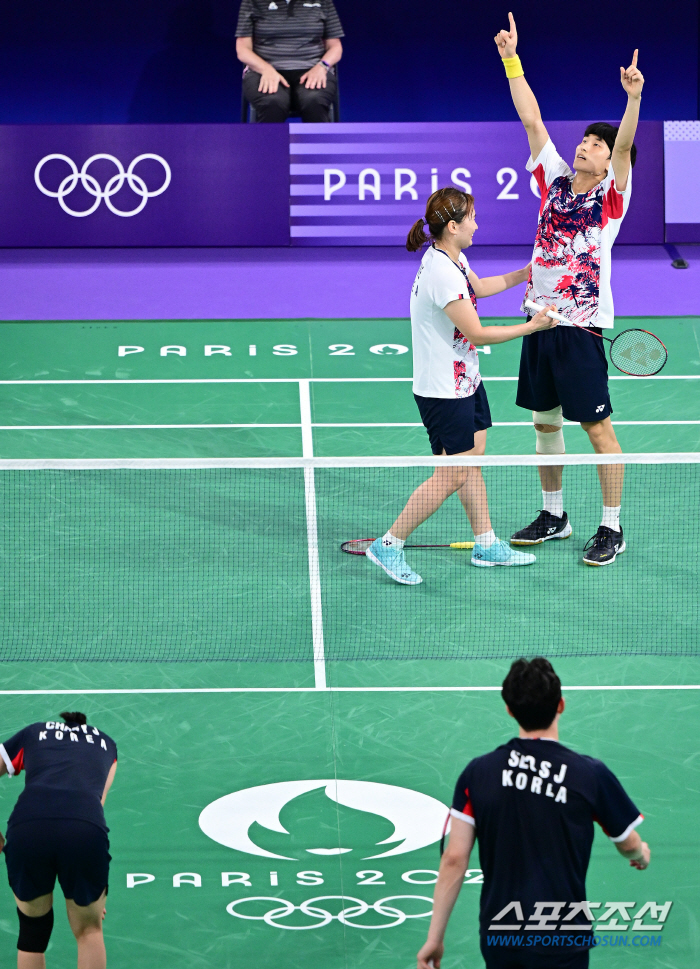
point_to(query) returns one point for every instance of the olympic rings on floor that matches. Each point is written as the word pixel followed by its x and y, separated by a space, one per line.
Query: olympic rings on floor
pixel 283 909
pixel 92 186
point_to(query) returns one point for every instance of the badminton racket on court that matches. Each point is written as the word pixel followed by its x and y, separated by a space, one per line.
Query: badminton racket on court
pixel 358 546
pixel 638 353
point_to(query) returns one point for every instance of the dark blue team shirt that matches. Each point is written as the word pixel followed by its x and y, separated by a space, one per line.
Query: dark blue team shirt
pixel 533 804
pixel 66 769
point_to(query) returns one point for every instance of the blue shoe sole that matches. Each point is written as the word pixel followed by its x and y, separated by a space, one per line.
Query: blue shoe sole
pixel 373 558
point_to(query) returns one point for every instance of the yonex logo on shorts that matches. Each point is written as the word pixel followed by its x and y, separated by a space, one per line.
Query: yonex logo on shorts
pixel 599 408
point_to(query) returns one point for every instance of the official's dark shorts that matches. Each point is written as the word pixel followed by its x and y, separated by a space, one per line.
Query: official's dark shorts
pixel 565 366
pixel 75 852
pixel 516 957
pixel 452 421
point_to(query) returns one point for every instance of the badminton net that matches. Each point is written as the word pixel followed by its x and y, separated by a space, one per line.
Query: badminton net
pixel 240 560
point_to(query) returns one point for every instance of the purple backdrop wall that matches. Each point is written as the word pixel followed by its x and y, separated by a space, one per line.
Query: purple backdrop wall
pixel 681 166
pixel 272 185
pixel 230 184
pixel 403 163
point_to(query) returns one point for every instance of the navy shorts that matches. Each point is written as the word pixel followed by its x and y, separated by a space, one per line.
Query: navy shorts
pixel 565 366
pixel 452 421
pixel 75 852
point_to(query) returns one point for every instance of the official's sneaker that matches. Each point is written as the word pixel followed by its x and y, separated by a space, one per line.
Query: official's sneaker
pixel 500 553
pixel 393 561
pixel 544 527
pixel 604 547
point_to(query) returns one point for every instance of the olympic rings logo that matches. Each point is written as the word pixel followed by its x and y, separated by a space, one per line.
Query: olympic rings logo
pixel 92 186
pixel 283 909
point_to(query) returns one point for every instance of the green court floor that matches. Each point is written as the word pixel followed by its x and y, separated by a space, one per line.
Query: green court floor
pixel 191 732
pixel 181 752
pixel 205 565
pixel 66 392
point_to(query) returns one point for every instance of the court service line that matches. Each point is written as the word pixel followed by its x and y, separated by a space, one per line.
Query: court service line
pixel 130 427
pixel 158 427
pixel 307 447
pixel 289 380
pixel 495 424
pixel 331 689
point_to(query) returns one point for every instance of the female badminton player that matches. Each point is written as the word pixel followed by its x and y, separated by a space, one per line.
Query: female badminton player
pixel 58 830
pixel 447 384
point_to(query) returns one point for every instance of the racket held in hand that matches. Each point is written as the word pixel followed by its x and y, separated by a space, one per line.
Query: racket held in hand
pixel 637 353
pixel 358 546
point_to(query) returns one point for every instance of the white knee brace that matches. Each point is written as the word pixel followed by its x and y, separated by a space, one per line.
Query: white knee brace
pixel 549 442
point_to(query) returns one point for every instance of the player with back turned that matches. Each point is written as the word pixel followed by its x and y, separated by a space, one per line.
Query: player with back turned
pixel 57 830
pixel 564 373
pixel 532 804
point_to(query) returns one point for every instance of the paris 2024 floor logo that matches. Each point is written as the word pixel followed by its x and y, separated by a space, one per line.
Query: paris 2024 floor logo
pixel 377 815
pixel 365 820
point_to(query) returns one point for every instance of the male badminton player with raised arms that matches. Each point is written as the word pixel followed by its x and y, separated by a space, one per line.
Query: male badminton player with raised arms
pixel 447 384
pixel 532 804
pixel 564 374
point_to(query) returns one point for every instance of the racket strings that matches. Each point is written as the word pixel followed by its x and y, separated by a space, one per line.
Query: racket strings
pixel 357 546
pixel 638 353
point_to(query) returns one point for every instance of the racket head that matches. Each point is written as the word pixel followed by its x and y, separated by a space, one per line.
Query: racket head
pixel 638 353
pixel 356 546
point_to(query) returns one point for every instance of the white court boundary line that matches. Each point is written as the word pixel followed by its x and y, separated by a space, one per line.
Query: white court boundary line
pixel 152 427
pixel 363 461
pixel 307 449
pixel 135 427
pixel 307 421
pixel 330 689
pixel 287 380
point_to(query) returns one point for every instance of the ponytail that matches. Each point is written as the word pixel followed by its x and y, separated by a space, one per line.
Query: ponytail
pixel 416 237
pixel 74 717
pixel 445 205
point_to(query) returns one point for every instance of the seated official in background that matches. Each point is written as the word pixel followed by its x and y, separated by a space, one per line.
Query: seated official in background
pixel 289 48
pixel 58 830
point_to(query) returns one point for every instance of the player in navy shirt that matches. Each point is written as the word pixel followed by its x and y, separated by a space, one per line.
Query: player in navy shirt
pixel 532 804
pixel 57 829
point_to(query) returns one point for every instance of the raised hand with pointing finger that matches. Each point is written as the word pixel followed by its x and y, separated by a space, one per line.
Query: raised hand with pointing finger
pixel 507 40
pixel 632 79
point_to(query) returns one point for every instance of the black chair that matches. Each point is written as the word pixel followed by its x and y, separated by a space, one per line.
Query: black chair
pixel 248 114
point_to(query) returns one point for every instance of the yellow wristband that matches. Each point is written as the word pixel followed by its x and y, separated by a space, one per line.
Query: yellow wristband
pixel 513 66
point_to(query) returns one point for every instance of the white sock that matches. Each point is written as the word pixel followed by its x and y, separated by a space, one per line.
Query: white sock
pixel 611 518
pixel 486 540
pixel 553 502
pixel 391 541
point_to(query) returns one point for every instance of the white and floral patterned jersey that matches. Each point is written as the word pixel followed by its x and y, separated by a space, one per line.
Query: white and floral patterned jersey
pixel 571 261
pixel 445 363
